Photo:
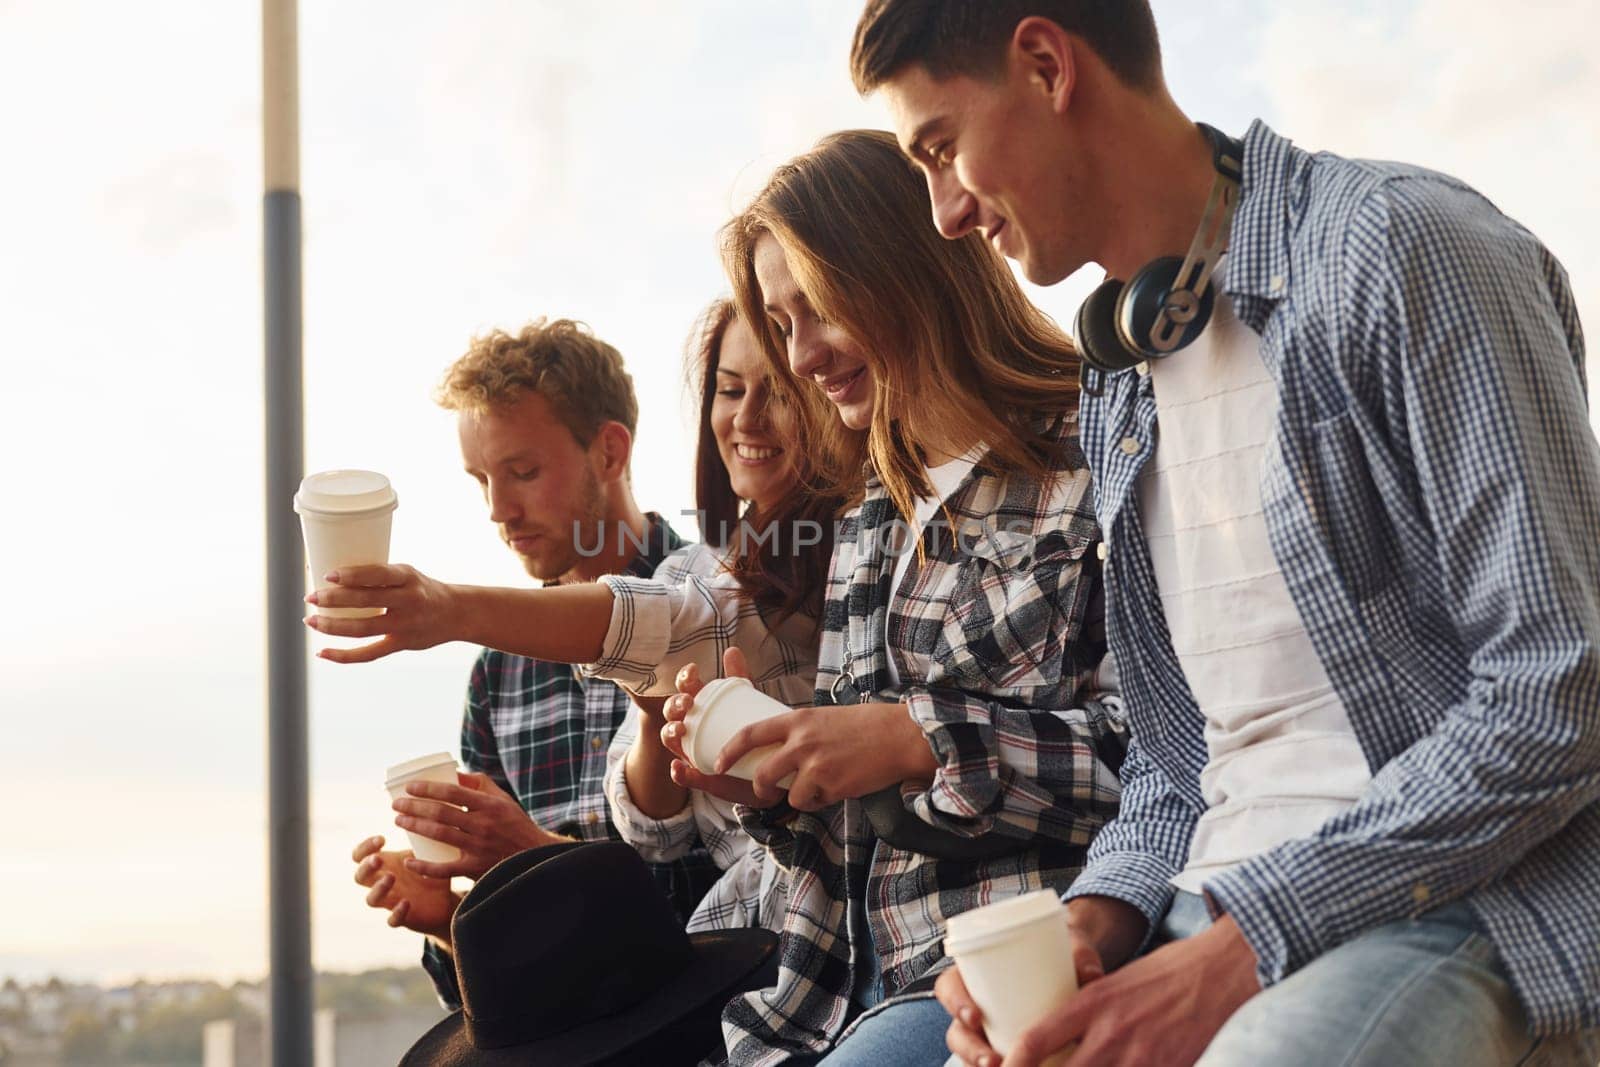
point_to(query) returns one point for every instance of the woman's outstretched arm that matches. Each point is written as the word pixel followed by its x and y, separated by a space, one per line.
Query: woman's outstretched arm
pixel 561 624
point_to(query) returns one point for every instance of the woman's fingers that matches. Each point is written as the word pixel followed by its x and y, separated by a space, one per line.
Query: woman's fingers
pixel 773 731
pixel 688 679
pixel 359 654
pixel 672 735
pixel 370 575
pixel 734 664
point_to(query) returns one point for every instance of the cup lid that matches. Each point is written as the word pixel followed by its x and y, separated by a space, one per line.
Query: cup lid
pixel 421 763
pixel 345 492
pixel 975 928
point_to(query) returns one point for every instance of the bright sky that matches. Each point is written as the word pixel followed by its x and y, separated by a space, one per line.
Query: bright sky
pixel 465 166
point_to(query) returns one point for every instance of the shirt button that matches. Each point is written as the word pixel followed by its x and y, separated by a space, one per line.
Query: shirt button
pixel 1420 893
pixel 1130 446
pixel 594 817
pixel 1102 551
pixel 1276 284
pixel 1143 369
pixel 596 742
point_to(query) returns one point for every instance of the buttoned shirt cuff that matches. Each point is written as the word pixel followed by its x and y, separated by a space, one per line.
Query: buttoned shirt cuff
pixel 1139 879
pixel 965 794
pixel 657 840
pixel 637 637
pixel 441 967
pixel 1272 917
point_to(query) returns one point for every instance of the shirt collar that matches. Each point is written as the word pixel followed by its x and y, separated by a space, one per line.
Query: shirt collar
pixel 660 541
pixel 1274 180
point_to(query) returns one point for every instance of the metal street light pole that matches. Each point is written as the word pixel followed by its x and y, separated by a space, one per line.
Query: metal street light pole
pixel 289 858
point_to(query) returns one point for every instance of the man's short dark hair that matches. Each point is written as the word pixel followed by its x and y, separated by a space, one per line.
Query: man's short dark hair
pixel 969 37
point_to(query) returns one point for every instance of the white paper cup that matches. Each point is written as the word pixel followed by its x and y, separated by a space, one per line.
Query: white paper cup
pixel 721 709
pixel 1016 960
pixel 439 767
pixel 345 517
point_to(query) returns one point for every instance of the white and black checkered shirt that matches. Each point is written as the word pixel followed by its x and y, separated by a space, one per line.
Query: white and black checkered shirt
pixel 1432 496
pixel 996 635
pixel 692 610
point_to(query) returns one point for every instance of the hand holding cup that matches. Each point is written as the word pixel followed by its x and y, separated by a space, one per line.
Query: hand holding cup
pixel 1017 962
pixel 674 734
pixel 409 611
pixel 345 517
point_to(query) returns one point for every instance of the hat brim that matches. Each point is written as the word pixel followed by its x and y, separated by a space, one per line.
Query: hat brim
pixel 724 963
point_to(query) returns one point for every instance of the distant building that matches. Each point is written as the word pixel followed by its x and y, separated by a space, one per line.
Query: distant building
pixel 12 998
pixel 336 1042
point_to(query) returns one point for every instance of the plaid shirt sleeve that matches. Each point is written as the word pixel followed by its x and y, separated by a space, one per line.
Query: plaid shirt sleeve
pixel 692 611
pixel 480 756
pixel 1022 609
pixel 643 611
pixel 657 840
pixel 1459 322
pixel 1021 772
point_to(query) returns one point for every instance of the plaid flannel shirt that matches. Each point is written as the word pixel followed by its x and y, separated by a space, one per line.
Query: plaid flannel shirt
pixel 996 634
pixel 540 731
pixel 1432 495
pixel 691 611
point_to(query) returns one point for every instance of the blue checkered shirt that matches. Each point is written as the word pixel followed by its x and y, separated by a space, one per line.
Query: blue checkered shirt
pixel 541 731
pixel 1432 496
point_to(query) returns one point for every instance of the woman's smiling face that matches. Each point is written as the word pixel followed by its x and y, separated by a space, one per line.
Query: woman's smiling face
pixel 754 430
pixel 817 349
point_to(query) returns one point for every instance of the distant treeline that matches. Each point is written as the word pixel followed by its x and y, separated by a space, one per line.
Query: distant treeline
pixel 163 1025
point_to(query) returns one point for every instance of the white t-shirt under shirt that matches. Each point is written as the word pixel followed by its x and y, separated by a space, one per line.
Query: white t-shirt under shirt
pixel 1281 755
pixel 945 479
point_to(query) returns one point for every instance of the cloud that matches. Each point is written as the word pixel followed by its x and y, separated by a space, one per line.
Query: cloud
pixel 1503 99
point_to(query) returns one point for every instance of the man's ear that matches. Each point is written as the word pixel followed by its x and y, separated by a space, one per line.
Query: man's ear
pixel 610 451
pixel 1048 57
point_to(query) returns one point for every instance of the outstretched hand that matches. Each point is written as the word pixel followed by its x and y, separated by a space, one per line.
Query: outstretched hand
pixel 484 821
pixel 418 612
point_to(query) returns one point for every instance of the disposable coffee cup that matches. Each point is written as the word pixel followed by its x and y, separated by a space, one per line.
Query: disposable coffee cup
pixel 439 767
pixel 721 709
pixel 345 517
pixel 1016 960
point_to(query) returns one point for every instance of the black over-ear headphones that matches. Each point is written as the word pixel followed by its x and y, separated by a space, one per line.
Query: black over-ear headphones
pixel 1168 302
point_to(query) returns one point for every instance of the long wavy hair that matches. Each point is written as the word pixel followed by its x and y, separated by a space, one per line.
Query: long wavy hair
pixel 781 576
pixel 956 349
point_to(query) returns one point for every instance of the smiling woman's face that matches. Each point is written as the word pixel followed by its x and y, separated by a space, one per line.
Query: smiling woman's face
pixel 818 350
pixel 754 430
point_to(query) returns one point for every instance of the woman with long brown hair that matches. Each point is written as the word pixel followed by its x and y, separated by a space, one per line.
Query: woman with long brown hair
pixel 953 755
pixel 762 595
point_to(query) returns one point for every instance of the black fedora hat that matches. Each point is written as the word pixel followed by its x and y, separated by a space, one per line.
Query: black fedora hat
pixel 570 954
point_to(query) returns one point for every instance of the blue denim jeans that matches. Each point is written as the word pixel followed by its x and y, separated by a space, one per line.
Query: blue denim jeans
pixel 907 1033
pixel 1425 991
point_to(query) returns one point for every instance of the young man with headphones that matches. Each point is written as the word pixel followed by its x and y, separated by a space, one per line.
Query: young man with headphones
pixel 1350 497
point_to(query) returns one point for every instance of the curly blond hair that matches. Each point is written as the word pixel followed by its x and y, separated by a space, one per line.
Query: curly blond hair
pixel 579 375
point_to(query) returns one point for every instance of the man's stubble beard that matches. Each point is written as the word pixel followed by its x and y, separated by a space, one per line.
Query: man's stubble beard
pixel 585 527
